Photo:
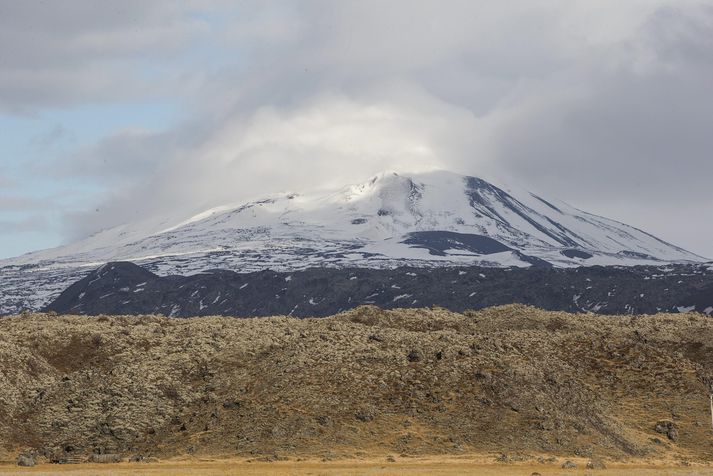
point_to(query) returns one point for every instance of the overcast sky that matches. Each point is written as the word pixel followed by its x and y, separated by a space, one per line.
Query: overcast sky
pixel 115 111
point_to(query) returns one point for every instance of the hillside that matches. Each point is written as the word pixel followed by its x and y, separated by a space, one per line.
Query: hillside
pixel 125 288
pixel 437 219
pixel 512 380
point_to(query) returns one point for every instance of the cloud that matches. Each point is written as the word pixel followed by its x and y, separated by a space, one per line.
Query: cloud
pixel 130 153
pixel 50 137
pixel 56 54
pixel 325 141
pixel 31 224
pixel 604 104
pixel 632 140
pixel 17 203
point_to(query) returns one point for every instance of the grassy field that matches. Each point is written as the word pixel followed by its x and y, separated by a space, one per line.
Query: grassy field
pixel 414 466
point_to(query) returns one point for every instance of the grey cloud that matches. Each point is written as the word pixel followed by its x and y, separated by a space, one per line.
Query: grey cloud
pixel 35 223
pixel 604 104
pixel 635 140
pixel 50 137
pixel 17 203
pixel 78 51
pixel 128 153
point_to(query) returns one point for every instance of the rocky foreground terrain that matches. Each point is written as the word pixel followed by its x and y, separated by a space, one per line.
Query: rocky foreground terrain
pixel 510 380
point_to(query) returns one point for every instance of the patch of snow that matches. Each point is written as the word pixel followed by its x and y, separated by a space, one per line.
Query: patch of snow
pixel 401 296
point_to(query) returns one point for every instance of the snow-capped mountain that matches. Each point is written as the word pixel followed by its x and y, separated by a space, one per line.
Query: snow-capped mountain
pixel 433 219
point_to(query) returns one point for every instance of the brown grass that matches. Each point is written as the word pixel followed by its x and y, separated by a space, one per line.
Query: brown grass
pixel 442 466
pixel 365 383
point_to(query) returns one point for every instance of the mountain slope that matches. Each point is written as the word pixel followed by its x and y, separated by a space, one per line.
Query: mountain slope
pixel 129 289
pixel 434 219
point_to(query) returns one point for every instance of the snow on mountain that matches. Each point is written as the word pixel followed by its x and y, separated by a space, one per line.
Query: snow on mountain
pixel 433 219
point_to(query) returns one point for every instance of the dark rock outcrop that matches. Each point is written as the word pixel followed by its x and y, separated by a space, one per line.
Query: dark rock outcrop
pixel 125 288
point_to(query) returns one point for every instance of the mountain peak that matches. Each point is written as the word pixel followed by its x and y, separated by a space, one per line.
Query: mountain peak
pixel 435 218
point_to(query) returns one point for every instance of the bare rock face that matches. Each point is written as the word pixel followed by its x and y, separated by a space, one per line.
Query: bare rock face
pixel 125 288
pixel 668 428
pixel 511 379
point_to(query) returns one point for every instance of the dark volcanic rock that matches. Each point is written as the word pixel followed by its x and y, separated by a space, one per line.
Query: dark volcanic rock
pixel 437 242
pixel 576 254
pixel 125 288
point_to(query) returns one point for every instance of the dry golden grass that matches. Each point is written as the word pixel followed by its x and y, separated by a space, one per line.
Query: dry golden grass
pixel 436 466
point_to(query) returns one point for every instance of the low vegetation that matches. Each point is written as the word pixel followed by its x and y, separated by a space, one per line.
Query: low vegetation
pixel 515 382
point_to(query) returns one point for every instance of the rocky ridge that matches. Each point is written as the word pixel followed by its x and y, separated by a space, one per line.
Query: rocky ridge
pixel 125 288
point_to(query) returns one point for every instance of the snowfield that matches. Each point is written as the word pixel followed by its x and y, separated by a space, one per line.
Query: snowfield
pixel 424 220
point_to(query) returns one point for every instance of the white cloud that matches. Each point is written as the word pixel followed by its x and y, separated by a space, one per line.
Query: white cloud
pixel 599 102
pixel 325 141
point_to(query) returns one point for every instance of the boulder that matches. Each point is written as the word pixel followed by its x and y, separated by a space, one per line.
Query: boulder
pixel 596 464
pixel 106 458
pixel 668 428
pixel 26 460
